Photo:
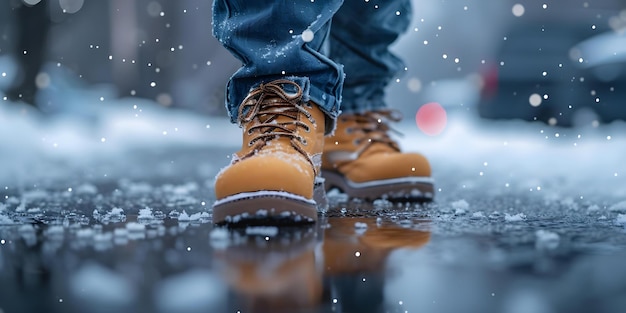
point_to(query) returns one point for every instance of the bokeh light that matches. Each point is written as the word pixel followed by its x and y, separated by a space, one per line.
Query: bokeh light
pixel 535 100
pixel 431 118
pixel 518 9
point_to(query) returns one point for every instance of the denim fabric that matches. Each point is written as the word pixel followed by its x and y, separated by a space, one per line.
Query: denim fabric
pixel 269 38
pixel 360 37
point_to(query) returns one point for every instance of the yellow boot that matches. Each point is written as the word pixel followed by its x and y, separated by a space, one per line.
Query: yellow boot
pixel 271 179
pixel 364 162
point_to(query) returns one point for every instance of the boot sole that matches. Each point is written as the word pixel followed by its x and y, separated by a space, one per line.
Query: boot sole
pixel 419 189
pixel 270 208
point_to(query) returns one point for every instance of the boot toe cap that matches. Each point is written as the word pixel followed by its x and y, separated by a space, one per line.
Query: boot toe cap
pixel 277 172
pixel 390 166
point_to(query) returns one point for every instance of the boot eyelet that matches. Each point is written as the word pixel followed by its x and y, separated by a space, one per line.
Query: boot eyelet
pixel 249 131
pixel 349 130
pixel 303 141
pixel 356 142
pixel 250 143
pixel 307 129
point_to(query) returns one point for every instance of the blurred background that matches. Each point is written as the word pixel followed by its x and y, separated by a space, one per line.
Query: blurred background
pixel 559 62
pixel 118 104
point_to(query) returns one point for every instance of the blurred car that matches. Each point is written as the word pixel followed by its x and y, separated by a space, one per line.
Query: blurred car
pixel 561 74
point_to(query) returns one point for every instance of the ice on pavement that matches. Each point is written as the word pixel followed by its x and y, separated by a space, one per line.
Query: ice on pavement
pixel 515 217
pixel 115 215
pixel 563 171
pixel 460 207
pixel 478 215
pixel 201 217
pixel 145 214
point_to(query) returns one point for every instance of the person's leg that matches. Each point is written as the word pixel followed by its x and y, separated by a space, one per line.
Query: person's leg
pixel 360 38
pixel 276 40
pixel 285 97
pixel 361 158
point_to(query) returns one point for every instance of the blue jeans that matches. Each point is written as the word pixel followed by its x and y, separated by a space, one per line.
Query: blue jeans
pixel 294 40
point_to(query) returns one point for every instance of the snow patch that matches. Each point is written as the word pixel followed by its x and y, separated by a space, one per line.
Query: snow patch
pixel 115 215
pixel 514 218
pixel 460 207
pixel 145 213
pixel 184 217
pixel 618 207
pixel 459 212
pixel 5 220
pixel 478 215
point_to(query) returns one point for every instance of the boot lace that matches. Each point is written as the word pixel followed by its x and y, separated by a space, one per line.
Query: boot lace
pixel 375 128
pixel 273 113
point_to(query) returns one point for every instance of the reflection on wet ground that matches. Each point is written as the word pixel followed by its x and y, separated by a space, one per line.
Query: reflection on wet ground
pixel 146 243
pixel 341 269
pixel 152 262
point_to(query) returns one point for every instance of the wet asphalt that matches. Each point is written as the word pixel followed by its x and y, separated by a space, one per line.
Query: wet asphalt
pixel 135 234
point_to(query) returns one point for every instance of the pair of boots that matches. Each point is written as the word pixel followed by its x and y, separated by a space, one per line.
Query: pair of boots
pixel 285 157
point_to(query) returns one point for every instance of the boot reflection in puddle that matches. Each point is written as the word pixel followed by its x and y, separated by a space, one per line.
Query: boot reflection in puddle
pixel 313 269
pixel 271 269
pixel 355 253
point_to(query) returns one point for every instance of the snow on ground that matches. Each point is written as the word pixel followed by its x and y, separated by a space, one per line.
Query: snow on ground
pixel 474 162
pixel 493 157
pixel 89 122
pixel 521 156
